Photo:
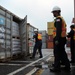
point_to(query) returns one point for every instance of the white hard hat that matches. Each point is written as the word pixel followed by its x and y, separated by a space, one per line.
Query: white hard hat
pixel 35 30
pixel 56 8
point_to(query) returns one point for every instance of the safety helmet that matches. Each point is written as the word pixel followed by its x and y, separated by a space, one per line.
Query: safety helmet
pixel 56 8
pixel 35 30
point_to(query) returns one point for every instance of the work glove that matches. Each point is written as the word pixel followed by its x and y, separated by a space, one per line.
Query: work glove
pixel 56 42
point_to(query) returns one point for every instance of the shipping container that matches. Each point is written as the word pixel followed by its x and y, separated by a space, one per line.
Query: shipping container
pixel 13 34
pixel 50 25
pixel 43 32
pixel 49 45
pixel 50 31
pixel 30 33
pixel 44 38
pixel 44 45
pixel 50 38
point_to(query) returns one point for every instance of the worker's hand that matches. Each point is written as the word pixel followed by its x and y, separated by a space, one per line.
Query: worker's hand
pixel 56 42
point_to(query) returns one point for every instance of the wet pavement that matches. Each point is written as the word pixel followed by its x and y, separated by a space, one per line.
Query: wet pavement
pixel 37 66
pixel 46 69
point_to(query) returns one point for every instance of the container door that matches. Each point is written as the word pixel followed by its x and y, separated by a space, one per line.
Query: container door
pixel 23 35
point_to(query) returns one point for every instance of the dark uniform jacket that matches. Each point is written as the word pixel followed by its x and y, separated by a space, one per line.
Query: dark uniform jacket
pixel 58 25
pixel 71 35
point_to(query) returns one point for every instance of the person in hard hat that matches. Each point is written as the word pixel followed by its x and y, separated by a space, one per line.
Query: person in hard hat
pixel 59 40
pixel 72 39
pixel 38 44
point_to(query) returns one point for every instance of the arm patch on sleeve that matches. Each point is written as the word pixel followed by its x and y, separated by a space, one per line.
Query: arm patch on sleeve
pixel 58 20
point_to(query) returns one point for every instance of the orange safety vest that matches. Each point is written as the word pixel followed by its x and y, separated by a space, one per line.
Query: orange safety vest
pixel 63 33
pixel 74 34
pixel 39 37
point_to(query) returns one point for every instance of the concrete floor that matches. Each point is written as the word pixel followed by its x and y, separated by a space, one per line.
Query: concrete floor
pixel 35 66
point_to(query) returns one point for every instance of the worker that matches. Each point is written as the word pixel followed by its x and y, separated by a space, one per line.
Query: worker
pixel 38 44
pixel 71 36
pixel 59 40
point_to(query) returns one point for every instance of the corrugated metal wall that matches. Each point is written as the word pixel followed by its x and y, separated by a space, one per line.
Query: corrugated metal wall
pixel 31 42
pixel 5 34
pixel 12 34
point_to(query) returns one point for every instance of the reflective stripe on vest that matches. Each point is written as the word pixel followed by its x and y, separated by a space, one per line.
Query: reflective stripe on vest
pixel 63 33
pixel 39 37
pixel 54 32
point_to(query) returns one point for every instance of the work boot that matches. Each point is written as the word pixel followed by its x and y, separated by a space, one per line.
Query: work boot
pixel 54 69
pixel 40 56
pixel 32 57
pixel 71 61
pixel 66 69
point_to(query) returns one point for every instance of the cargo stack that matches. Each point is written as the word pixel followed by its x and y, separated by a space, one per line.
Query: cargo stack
pixel 50 26
pixel 44 35
pixel 16 43
pixel 13 34
pixel 30 33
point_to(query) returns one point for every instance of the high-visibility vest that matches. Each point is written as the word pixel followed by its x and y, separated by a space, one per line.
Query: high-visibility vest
pixel 39 37
pixel 63 33
pixel 74 34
